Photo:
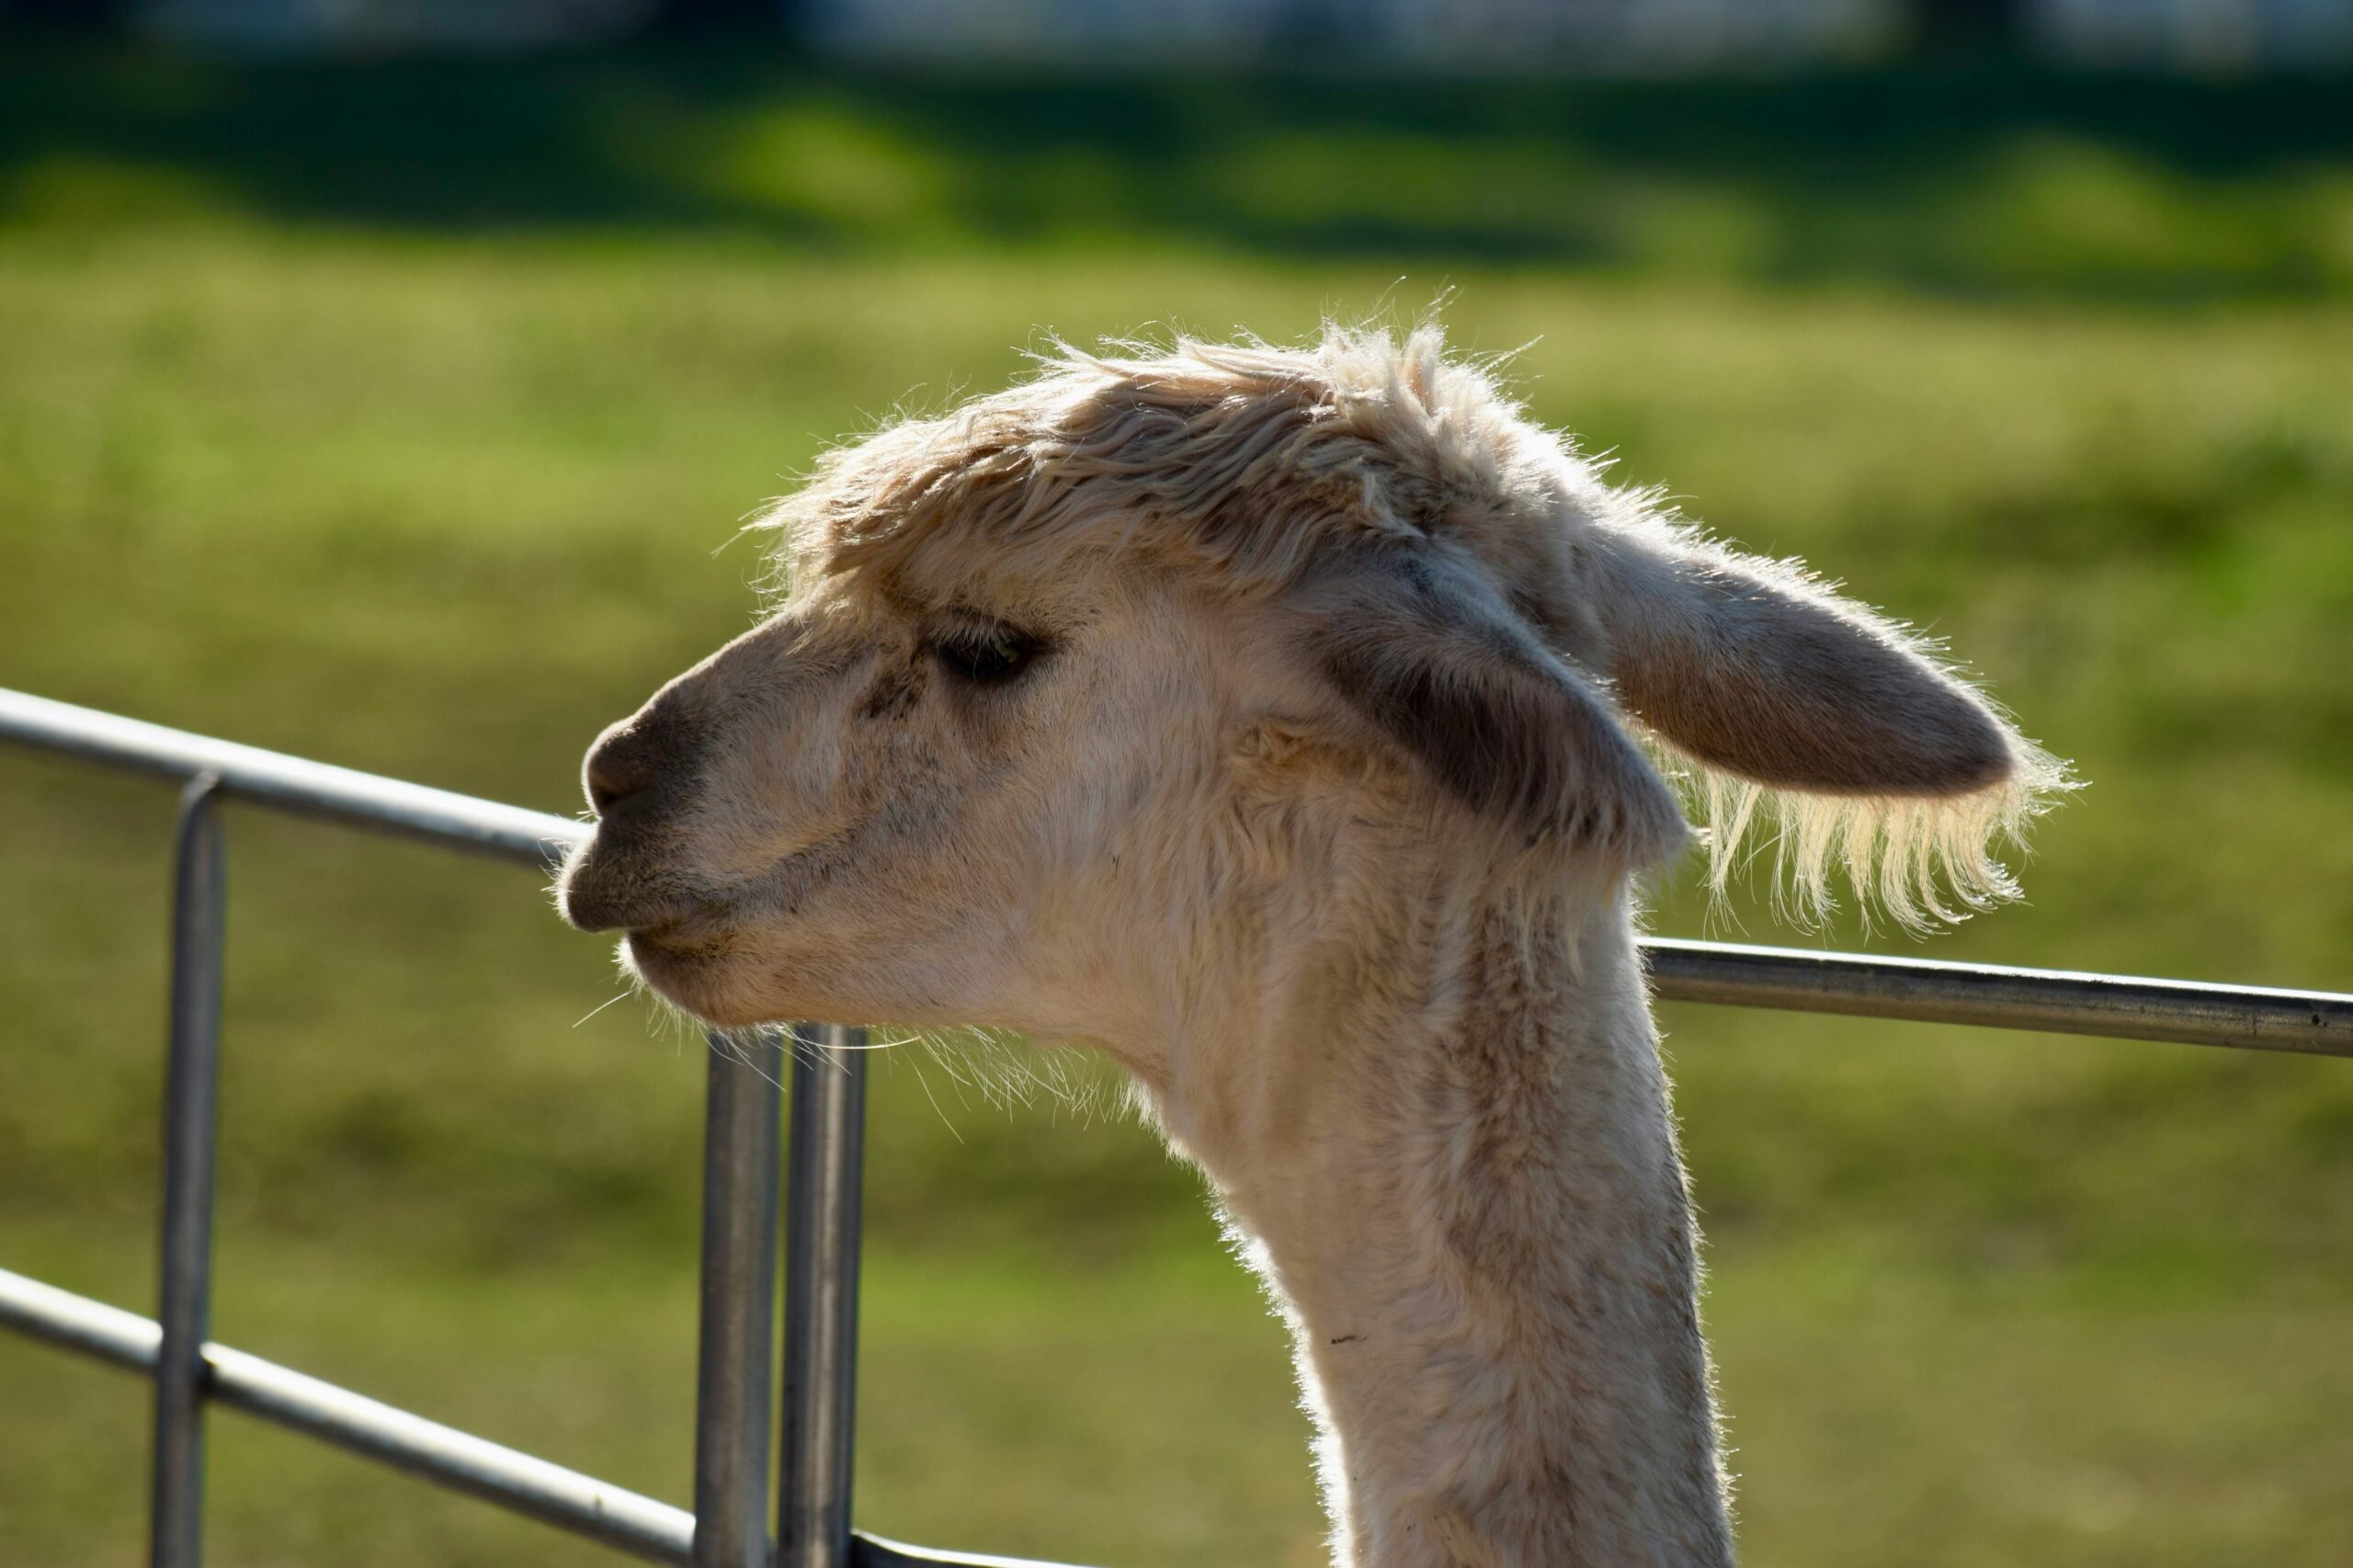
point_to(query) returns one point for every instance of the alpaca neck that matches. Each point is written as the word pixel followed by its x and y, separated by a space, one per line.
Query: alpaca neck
pixel 1453 1160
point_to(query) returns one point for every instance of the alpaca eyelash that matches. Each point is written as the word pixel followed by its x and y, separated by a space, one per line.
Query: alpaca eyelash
pixel 989 655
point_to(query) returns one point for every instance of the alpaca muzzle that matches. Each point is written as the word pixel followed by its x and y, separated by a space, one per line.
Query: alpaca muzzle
pixel 625 878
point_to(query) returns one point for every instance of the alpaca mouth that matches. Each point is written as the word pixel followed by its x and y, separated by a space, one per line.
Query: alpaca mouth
pixel 677 941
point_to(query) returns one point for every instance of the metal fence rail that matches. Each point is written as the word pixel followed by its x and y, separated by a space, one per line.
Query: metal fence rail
pixel 734 1422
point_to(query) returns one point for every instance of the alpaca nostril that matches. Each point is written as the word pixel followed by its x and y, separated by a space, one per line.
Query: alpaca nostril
pixel 602 791
pixel 620 765
pixel 642 754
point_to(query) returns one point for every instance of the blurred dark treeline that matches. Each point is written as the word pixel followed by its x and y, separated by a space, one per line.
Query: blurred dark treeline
pixel 1972 179
pixel 1520 37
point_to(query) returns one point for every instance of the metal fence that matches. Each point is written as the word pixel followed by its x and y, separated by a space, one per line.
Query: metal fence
pixel 734 1421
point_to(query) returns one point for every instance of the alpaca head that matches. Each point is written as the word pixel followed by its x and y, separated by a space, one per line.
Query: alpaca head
pixel 1067 677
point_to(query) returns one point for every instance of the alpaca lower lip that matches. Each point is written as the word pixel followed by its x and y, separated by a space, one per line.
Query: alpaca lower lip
pixel 688 937
pixel 664 938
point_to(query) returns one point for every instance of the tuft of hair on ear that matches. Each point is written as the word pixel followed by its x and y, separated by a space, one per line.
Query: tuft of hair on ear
pixel 1804 724
pixel 1920 861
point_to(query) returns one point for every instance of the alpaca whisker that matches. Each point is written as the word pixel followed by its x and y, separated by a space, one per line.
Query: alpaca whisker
pixel 601 1007
pixel 936 1110
pixel 725 1042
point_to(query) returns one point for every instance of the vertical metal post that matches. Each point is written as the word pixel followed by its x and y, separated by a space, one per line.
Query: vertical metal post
pixel 821 1243
pixel 192 1100
pixel 738 1344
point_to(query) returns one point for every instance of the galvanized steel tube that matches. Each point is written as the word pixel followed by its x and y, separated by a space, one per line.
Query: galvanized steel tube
pixel 442 1455
pixel 2189 1012
pixel 874 1552
pixel 820 1252
pixel 425 1450
pixel 291 783
pixel 191 1099
pixel 78 1324
pixel 732 1409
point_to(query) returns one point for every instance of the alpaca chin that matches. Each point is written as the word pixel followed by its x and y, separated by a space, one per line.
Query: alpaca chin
pixel 689 974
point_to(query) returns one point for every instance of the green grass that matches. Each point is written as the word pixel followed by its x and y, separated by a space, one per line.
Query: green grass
pixel 400 416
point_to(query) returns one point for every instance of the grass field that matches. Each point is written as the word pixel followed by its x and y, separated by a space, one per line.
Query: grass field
pixel 401 416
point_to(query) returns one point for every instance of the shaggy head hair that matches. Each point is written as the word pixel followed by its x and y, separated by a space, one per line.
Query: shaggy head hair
pixel 1259 467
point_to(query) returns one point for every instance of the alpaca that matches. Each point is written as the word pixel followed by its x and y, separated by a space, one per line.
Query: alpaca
pixel 1296 725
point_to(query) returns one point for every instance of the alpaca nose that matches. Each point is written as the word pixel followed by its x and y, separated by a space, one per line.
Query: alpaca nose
pixel 633 756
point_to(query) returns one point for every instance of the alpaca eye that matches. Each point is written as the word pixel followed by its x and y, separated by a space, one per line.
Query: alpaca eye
pixel 989 655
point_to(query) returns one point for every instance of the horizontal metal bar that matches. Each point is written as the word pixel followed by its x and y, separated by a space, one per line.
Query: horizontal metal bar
pixel 291 783
pixel 2060 1001
pixel 2248 1017
pixel 874 1552
pixel 442 1455
pixel 78 1324
pixel 432 1452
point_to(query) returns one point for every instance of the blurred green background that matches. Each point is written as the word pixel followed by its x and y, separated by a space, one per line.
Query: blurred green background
pixel 399 415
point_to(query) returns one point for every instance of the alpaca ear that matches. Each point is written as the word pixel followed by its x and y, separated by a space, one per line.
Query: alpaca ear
pixel 1754 671
pixel 1442 668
